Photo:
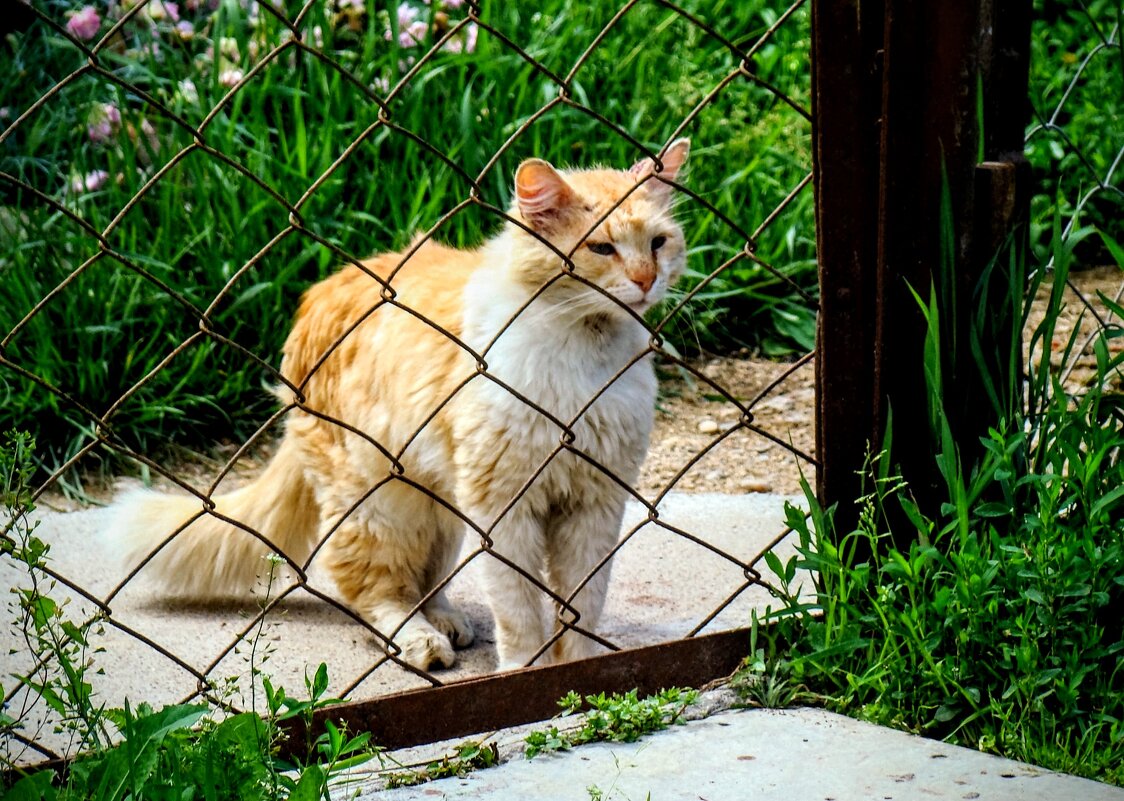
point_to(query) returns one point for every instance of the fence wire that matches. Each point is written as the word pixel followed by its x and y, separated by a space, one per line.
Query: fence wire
pixel 172 143
pixel 1075 143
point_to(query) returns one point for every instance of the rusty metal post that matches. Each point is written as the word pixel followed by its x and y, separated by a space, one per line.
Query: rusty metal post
pixel 896 90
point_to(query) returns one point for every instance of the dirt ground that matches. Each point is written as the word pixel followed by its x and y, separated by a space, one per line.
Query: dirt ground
pixel 1083 311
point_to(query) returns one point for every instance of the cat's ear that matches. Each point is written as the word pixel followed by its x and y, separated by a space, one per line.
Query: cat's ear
pixel 673 160
pixel 543 195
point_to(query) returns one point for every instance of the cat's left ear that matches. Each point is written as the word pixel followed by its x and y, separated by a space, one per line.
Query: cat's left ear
pixel 673 160
pixel 542 193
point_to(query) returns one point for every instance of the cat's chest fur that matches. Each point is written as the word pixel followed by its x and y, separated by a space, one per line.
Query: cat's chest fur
pixel 554 377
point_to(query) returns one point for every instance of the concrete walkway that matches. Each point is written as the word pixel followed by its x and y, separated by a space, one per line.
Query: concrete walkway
pixel 662 586
pixel 757 755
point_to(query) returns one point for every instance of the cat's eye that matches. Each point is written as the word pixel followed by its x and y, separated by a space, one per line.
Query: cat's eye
pixel 601 248
pixel 658 242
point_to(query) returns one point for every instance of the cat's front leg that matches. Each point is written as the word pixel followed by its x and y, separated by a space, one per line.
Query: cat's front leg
pixel 511 570
pixel 578 545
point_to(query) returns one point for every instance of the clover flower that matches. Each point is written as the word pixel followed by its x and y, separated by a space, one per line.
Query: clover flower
pixel 84 24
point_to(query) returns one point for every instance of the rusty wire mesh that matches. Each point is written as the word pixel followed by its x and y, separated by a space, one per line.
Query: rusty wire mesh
pixel 148 648
pixel 1075 143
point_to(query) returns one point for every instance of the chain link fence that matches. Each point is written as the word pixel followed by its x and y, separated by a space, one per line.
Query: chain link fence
pixel 175 175
pixel 1075 143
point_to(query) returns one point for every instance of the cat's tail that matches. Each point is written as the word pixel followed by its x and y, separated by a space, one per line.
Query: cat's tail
pixel 208 556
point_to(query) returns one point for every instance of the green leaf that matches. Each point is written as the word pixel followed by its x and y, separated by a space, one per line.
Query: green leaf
pixel 36 787
pixel 320 681
pixel 310 785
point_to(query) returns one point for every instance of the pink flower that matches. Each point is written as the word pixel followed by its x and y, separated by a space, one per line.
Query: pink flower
pixel 452 5
pixel 413 35
pixel 185 29
pixel 90 182
pixel 406 15
pixel 84 24
pixel 471 32
pixel 103 123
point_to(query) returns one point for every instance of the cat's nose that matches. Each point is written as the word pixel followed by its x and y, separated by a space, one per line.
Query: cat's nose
pixel 644 281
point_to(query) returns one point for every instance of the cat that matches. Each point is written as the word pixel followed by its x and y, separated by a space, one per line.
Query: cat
pixel 377 374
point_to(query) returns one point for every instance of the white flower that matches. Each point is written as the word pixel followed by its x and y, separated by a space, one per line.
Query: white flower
pixel 160 10
pixel 228 46
pixel 230 77
pixel 103 123
pixel 406 15
pixel 188 91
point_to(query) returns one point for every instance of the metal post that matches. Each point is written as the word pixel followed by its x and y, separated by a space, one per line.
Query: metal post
pixel 879 181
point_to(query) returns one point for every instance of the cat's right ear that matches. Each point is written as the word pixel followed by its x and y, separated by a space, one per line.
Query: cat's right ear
pixel 673 159
pixel 542 194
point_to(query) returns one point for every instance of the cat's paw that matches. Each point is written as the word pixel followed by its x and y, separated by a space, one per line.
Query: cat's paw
pixel 453 623
pixel 426 649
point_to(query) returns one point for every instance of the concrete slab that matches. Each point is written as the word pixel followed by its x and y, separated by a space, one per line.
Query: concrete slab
pixel 763 755
pixel 664 586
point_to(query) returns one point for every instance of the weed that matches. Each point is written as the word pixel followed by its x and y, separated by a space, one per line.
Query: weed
pixel 58 648
pixel 766 681
pixel 179 751
pixel 617 718
pixel 469 756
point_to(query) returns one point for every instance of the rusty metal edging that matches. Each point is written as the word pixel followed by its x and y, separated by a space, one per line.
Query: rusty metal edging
pixel 489 703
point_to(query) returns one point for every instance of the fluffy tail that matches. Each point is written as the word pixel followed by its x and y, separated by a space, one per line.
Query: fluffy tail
pixel 211 557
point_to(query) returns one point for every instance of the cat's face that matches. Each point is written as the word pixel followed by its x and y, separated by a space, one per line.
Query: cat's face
pixel 635 254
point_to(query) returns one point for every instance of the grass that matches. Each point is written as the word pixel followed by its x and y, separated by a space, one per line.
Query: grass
pixel 213 232
pixel 995 620
pixel 1073 141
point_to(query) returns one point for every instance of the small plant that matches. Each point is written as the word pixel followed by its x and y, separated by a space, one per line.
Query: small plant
pixel 58 647
pixel 766 681
pixel 176 752
pixel 469 756
pixel 617 718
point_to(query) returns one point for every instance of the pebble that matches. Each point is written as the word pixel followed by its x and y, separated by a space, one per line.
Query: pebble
pixel 708 426
pixel 754 485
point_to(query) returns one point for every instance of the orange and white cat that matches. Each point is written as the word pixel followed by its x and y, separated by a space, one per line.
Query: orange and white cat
pixel 379 377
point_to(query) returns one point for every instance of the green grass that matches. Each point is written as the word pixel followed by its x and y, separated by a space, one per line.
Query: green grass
pixel 1074 137
pixel 197 239
pixel 995 620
